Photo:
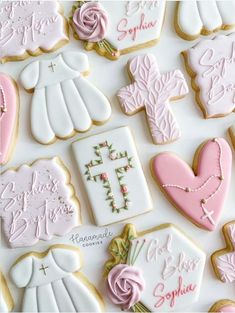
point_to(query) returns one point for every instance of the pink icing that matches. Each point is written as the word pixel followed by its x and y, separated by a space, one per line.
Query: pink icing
pixel 200 197
pixel 213 61
pixel 36 203
pixel 153 91
pixel 8 115
pixel 227 309
pixel 225 263
pixel 125 285
pixel 90 22
pixel 29 25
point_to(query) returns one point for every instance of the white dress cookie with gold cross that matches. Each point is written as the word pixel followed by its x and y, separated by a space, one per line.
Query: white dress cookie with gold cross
pixel 113 176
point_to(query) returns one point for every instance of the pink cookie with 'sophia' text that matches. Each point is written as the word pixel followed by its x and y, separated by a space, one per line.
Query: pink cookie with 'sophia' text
pixel 8 116
pixel 198 193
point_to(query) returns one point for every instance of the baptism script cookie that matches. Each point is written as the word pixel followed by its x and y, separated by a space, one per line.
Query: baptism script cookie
pixel 63 100
pixel 6 301
pixel 157 270
pixel 113 28
pixel 198 192
pixel 223 261
pixel 52 282
pixel 223 306
pixel 37 201
pixel 194 18
pixel 9 107
pixel 113 177
pixel 211 65
pixel 152 91
pixel 30 28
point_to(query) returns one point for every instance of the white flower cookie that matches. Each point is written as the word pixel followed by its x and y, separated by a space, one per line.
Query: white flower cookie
pixel 37 201
pixel 6 301
pixel 30 28
pixel 113 176
pixel 52 282
pixel 157 270
pixel 113 28
pixel 63 101
pixel 194 18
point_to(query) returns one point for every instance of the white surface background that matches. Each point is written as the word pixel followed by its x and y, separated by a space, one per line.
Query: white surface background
pixel 109 77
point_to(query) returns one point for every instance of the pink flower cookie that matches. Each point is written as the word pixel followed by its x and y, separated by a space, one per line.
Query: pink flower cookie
pixel 30 28
pixel 114 28
pixel 199 192
pixel 6 301
pixel 37 201
pixel 152 91
pixel 9 107
pixel 223 306
pixel 157 270
pixel 211 65
pixel 223 261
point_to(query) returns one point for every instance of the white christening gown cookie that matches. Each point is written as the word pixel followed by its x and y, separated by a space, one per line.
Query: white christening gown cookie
pixel 63 100
pixel 51 284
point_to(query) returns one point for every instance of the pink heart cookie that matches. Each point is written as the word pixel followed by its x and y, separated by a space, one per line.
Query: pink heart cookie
pixel 8 116
pixel 199 194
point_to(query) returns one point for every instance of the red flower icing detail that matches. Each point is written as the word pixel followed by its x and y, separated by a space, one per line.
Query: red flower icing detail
pixel 125 285
pixel 104 176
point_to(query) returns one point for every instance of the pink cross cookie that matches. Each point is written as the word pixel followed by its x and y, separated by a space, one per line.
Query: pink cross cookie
pixel 153 91
pixel 224 260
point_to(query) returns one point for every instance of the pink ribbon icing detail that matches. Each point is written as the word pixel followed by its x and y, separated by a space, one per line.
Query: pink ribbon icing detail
pixel 90 22
pixel 125 285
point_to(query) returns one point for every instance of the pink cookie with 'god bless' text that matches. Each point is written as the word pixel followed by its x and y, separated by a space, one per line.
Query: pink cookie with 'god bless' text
pixel 9 102
pixel 198 193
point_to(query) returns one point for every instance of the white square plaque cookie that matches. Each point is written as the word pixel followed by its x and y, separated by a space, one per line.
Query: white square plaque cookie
pixel 113 176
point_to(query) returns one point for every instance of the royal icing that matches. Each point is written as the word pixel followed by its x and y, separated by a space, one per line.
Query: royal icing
pixel 203 17
pixel 150 255
pixel 6 301
pixel 199 195
pixel 223 306
pixel 152 92
pixel 112 174
pixel 224 260
pixel 63 100
pixel 52 282
pixel 37 202
pixel 29 27
pixel 8 116
pixel 114 28
pixel 213 64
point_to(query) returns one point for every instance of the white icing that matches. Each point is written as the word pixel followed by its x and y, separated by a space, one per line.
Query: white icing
pixel 131 13
pixel 175 258
pixel 5 305
pixel 194 16
pixel 140 202
pixel 63 101
pixel 51 286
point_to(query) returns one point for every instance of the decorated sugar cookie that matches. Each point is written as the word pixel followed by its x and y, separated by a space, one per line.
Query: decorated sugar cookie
pixel 223 261
pixel 63 101
pixel 156 270
pixel 198 192
pixel 211 65
pixel 232 134
pixel 114 28
pixel 37 201
pixel 194 18
pixel 6 301
pixel 223 306
pixel 52 282
pixel 30 28
pixel 9 107
pixel 113 176
pixel 152 91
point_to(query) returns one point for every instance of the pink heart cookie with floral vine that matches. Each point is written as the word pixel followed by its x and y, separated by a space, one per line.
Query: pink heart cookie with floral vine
pixel 198 193
pixel 8 116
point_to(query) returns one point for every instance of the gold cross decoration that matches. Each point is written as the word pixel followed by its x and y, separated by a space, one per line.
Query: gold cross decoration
pixel 44 268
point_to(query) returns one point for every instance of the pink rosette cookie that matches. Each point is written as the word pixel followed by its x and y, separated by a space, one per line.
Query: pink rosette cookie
pixel 90 22
pixel 125 285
